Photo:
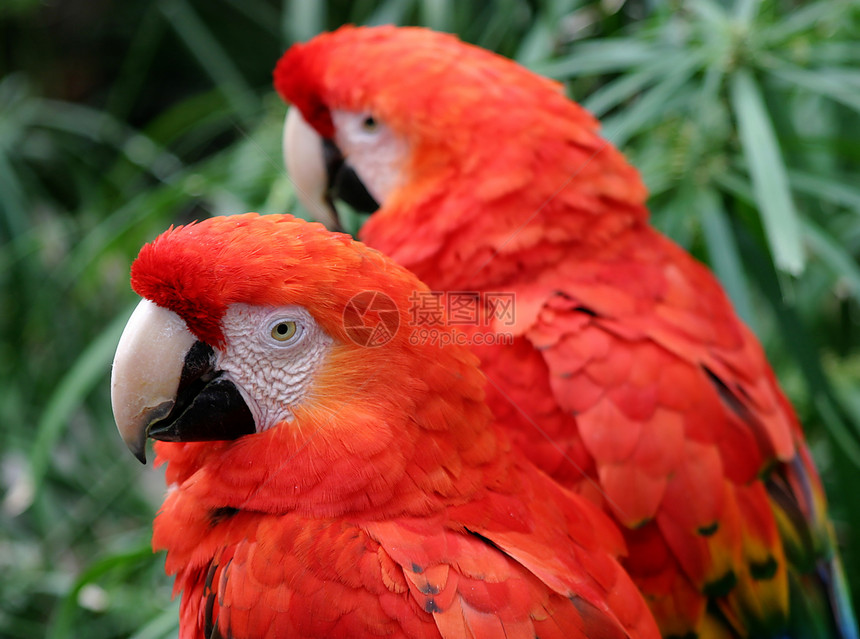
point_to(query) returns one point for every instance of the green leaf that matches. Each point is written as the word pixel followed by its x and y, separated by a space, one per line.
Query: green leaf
pixel 799 342
pixel 539 41
pixel 673 217
pixel 500 20
pixel 536 45
pixel 436 14
pixel 389 12
pixel 826 188
pixel 13 208
pixel 148 37
pixel 833 254
pixel 745 10
pixel 609 55
pixel 769 179
pixel 163 626
pixel 625 87
pixel 714 14
pixel 841 432
pixel 834 53
pixel 90 368
pixel 63 623
pixel 263 14
pixel 801 19
pixel 651 107
pixel 724 253
pixel 302 20
pixel 849 399
pixel 211 56
pixel 840 85
pixel 101 127
pixel 91 248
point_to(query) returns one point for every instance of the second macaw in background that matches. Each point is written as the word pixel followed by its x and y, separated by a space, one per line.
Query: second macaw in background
pixel 630 379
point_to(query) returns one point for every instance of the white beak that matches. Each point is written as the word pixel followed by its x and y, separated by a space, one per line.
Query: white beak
pixel 303 156
pixel 146 371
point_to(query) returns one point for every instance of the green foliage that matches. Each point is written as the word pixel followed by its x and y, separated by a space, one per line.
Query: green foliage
pixel 743 118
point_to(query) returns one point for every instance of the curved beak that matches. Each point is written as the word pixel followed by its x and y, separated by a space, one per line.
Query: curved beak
pixel 320 173
pixel 305 162
pixel 164 385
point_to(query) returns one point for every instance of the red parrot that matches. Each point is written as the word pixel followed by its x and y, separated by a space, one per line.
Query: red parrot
pixel 321 487
pixel 629 377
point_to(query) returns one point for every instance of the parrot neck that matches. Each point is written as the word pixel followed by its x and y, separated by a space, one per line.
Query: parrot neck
pixel 474 226
pixel 409 449
pixel 476 253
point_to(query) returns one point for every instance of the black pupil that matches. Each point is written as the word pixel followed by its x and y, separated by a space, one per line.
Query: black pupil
pixel 282 329
pixel 369 122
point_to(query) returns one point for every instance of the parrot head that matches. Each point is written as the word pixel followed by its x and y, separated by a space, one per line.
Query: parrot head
pixel 259 331
pixel 428 133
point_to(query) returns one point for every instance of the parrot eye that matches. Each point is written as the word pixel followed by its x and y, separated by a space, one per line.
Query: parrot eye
pixel 369 124
pixel 285 331
pixel 284 328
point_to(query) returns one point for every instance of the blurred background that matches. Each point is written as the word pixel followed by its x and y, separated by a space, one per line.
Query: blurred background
pixel 118 119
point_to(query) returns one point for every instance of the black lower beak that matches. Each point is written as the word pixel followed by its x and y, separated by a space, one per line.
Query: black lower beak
pixel 343 182
pixel 208 407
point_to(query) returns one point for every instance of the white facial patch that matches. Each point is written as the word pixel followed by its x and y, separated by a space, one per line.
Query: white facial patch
pixel 372 149
pixel 271 354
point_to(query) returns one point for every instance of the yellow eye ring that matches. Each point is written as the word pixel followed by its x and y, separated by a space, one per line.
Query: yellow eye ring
pixel 284 330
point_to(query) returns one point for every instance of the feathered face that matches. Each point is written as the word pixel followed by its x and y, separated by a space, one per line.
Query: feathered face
pixel 243 323
pixel 384 114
